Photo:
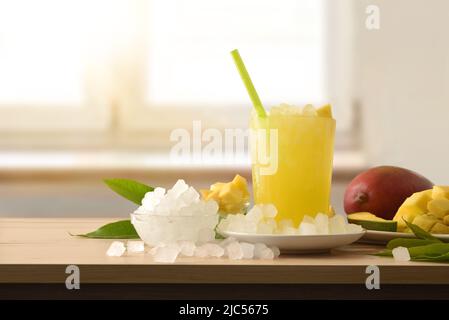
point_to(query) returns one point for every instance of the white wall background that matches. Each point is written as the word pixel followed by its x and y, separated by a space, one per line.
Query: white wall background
pixel 402 84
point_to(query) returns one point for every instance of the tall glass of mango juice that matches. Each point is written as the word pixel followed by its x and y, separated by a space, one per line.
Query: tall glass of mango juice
pixel 291 155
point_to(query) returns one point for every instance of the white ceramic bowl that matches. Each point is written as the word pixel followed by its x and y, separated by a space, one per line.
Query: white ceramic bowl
pixel 154 229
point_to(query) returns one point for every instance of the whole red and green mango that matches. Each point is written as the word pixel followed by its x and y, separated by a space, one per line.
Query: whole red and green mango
pixel 381 190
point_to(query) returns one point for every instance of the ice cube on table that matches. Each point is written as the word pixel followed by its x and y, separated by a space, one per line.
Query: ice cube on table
pixel 261 251
pixel 401 254
pixel 234 251
pixel 276 251
pixel 214 250
pixel 206 235
pixel 154 249
pixel 116 249
pixel 322 223
pixel 201 251
pixel 187 248
pixel 258 248
pixel 135 246
pixel 224 243
pixel 247 249
pixel 167 254
pixel 307 229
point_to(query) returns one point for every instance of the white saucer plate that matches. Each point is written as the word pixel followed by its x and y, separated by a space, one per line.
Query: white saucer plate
pixel 299 243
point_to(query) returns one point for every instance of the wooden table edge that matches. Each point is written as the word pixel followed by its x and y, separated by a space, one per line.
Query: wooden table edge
pixel 223 274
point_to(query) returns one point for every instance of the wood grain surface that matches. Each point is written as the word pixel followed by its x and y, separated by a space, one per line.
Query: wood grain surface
pixel 39 250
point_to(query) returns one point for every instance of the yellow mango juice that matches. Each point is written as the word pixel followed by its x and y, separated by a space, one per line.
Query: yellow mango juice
pixel 297 176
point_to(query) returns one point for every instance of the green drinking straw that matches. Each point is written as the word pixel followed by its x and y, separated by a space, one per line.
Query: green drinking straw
pixel 248 84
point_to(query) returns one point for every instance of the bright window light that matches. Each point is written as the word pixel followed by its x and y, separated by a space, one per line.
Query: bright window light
pixel 282 43
pixel 46 46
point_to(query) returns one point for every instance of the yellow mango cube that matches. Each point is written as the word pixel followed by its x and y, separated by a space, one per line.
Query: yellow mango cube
pixel 439 192
pixel 438 207
pixel 425 221
pixel 446 220
pixel 240 183
pixel 419 199
pixel 407 213
pixel 325 111
pixel 440 228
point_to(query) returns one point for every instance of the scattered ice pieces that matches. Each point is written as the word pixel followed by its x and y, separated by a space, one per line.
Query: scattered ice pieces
pixel 116 249
pixel 247 249
pixel 135 246
pixel 401 254
pixel 261 251
pixel 187 248
pixel 234 251
pixel 201 251
pixel 214 250
pixel 276 251
pixel 167 254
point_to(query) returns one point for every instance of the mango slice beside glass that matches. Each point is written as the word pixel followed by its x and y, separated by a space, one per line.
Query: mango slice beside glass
pixel 232 197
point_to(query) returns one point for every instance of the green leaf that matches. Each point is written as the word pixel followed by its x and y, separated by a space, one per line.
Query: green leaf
pixel 384 253
pixel 129 189
pixel 430 250
pixel 420 233
pixel 408 243
pixel 440 258
pixel 122 229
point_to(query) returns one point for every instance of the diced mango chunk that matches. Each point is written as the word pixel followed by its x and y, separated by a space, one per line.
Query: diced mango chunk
pixel 232 197
pixel 325 111
pixel 425 221
pixel 440 192
pixel 440 228
pixel 331 211
pixel 419 199
pixel 407 213
pixel 438 207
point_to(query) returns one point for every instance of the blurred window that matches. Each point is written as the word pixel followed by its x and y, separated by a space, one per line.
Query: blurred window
pixel 158 64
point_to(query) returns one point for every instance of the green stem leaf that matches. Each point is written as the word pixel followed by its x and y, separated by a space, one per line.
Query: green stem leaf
pixel 122 229
pixel 420 233
pixel 129 189
pixel 408 243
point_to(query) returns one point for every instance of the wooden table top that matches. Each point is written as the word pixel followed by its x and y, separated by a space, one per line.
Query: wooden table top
pixel 39 250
